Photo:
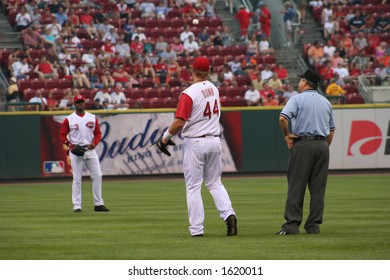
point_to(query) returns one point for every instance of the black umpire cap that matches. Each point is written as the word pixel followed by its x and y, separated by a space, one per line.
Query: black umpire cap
pixel 312 76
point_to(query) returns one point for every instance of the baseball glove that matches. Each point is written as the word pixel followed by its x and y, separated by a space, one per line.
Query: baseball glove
pixel 163 147
pixel 78 150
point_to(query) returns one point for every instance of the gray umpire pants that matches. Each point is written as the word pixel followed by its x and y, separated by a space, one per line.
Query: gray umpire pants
pixel 308 165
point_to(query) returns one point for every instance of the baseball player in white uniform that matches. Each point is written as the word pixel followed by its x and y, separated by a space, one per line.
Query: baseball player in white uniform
pixel 82 128
pixel 197 115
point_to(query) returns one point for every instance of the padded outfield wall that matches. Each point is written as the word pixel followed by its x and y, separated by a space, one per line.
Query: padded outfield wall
pixel 251 142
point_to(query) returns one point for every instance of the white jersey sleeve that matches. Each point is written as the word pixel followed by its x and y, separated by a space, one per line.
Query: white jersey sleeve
pixel 206 111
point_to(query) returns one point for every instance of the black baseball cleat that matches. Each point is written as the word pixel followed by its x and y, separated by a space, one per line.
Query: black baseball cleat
pixel 198 235
pixel 231 224
pixel 283 232
pixel 78 210
pixel 101 208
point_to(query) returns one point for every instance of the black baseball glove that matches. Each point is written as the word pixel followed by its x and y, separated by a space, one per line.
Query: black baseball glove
pixel 78 150
pixel 163 147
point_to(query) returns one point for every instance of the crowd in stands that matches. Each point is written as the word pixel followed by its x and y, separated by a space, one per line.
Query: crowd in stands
pixel 357 34
pixel 137 54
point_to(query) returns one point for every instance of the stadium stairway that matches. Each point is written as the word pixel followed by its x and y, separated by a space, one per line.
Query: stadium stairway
pixel 228 20
pixel 288 58
pixel 9 39
pixel 309 32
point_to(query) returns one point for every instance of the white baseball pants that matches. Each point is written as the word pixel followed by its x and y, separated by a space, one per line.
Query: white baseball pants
pixel 202 161
pixel 91 161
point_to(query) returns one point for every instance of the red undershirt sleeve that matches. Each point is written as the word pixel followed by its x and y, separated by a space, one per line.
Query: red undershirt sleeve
pixel 184 107
pixel 64 131
pixel 97 133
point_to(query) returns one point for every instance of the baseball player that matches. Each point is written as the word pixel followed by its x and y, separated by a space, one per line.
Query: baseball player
pixel 197 117
pixel 80 131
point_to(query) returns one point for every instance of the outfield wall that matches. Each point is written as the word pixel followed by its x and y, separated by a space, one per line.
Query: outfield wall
pixel 251 142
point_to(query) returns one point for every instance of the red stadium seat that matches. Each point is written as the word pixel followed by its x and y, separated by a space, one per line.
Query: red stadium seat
pixel 238 101
pixel 38 83
pixel 212 51
pixel 143 102
pixel 174 82
pixel 233 91
pixel 138 93
pixel 226 101
pixel 170 102
pixel 65 83
pixel 156 102
pixel 146 82
pixel 151 92
pixel 355 98
pixel 164 92
pixel 152 23
pixel 52 83
pixel 24 84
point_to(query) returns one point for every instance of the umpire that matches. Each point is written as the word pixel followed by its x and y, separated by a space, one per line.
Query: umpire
pixel 312 132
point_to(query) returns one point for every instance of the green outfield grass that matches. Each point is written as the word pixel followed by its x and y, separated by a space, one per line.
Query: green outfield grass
pixel 148 220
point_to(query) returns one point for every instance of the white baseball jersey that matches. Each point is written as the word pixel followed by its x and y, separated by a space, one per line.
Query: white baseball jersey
pixel 81 129
pixel 204 119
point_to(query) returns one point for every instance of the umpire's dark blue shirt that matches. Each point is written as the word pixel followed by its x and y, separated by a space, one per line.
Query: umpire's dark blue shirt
pixel 310 114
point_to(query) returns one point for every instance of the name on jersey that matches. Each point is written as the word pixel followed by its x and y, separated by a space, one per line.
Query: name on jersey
pixel 207 92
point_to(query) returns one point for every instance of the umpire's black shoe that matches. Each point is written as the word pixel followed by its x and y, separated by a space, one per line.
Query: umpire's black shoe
pixel 313 230
pixel 78 210
pixel 101 208
pixel 231 223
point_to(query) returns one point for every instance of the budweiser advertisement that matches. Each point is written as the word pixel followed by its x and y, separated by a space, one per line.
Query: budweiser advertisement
pixel 126 147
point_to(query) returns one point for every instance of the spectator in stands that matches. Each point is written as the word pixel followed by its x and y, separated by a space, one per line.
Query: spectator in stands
pixel 55 28
pixel 327 73
pixel 30 6
pixel 47 17
pixel 54 6
pixel 252 97
pixel 73 45
pixel 209 7
pixel 122 49
pixel 137 46
pixel 161 45
pixel 276 84
pixel 186 10
pixel 359 60
pixel 191 47
pixel 36 18
pixel 177 47
pixel 21 68
pixel 80 80
pixel 244 17
pixel 92 31
pixel 67 29
pixel 45 70
pixel 111 35
pixel 147 9
pixel 90 59
pixel 290 92
pixel 162 10
pixel 333 89
pixel 355 71
pixel 173 68
pixel 198 10
pixel 315 54
pixel 357 23
pixel 107 80
pixel 361 41
pixel 136 65
pixel 186 33
pixel 104 96
pixel 281 72
pixel 252 46
pixel 266 73
pixel 302 6
pixel 229 6
pixel 370 23
pixel 329 50
pixel 122 10
pixel 108 49
pixel 86 18
pixel 265 46
pixel 148 67
pixel 235 65
pixel 128 29
pixel 38 98
pixel 32 38
pixel 120 75
pixel 216 40
pixel 118 97
pixel 204 39
pixel 380 74
pixel 258 82
pixel 52 103
pixel 336 59
pixel 265 19
pixel 61 16
pixel 161 70
pixel 266 91
pixel 288 16
pixel 342 71
pixel 138 33
pixel 73 18
pixel 227 77
pixel 93 78
pixel 65 102
pixel 271 100
pixel 23 19
pixel 382 23
pixel 12 93
pixel 346 42
pixel 168 54
pixel 326 14
pixel 96 105
pixel 186 76
pixel 227 38
pixel 380 51
pixel 330 27
pixel 101 18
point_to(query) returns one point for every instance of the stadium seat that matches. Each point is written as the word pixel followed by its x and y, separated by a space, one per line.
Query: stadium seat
pixel 38 83
pixel 238 101
pixel 176 91
pixel 65 83
pixel 151 92
pixel 233 91
pixel 242 80
pixel 355 98
pixel 212 51
pixel 152 23
pixel 52 83
pixel 174 13
pixel 164 92
pixel 146 82
pixel 164 23
pixel 170 102
pixel 156 102
pixel 24 84
pixel 226 50
pixel 138 93
pixel 226 101
pixel 143 102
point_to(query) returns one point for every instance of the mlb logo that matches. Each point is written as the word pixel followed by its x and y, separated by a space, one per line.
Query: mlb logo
pixel 54 167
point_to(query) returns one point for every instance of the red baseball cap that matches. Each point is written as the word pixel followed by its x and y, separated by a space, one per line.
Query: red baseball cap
pixel 201 64
pixel 78 98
